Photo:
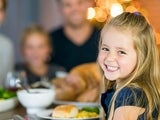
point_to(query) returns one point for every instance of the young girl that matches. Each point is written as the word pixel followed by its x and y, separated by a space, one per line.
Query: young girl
pixel 36 49
pixel 129 59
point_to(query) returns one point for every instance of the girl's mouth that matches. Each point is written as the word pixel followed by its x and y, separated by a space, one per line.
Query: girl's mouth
pixel 111 68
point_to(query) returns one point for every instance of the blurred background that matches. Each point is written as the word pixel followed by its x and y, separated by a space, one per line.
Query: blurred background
pixel 21 13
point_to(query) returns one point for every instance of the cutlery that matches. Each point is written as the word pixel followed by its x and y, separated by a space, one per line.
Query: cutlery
pixel 17 117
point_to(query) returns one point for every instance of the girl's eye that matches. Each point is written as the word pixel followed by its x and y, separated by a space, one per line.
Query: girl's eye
pixel 105 49
pixel 122 52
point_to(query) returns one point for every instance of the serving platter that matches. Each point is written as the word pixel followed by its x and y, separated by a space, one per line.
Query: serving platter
pixel 78 104
pixel 46 115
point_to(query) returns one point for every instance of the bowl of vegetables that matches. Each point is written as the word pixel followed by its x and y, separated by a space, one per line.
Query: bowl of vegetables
pixel 8 100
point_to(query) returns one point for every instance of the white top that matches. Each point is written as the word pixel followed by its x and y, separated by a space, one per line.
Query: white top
pixel 6 58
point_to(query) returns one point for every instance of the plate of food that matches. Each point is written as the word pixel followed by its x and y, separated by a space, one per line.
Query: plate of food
pixel 8 100
pixel 70 112
pixel 78 104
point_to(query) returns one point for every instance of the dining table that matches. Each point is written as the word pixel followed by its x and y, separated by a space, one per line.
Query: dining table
pixel 8 115
pixel 21 111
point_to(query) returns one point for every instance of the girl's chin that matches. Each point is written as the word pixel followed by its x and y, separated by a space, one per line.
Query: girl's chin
pixel 110 78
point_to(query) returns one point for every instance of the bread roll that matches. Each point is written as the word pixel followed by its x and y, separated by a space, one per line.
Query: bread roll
pixel 65 111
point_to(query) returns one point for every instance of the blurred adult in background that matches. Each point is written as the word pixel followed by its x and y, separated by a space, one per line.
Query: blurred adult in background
pixel 76 41
pixel 36 49
pixel 6 48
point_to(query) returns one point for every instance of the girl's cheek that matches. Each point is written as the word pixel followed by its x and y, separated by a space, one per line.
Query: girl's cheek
pixel 100 58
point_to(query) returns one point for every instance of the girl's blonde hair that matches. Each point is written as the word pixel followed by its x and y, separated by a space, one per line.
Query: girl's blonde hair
pixel 146 74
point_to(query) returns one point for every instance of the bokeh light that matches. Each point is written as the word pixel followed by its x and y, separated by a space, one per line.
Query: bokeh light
pixel 91 13
pixel 105 8
pixel 116 9
pixel 131 9
pixel 101 14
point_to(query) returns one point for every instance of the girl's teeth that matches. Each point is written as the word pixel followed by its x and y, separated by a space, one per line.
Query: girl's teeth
pixel 112 68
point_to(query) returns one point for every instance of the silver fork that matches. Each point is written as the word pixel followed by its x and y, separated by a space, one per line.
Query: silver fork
pixel 17 117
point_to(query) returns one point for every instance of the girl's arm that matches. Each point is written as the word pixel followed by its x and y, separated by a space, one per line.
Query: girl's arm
pixel 128 113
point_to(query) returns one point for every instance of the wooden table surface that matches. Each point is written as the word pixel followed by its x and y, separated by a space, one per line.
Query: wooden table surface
pixel 9 114
pixel 19 110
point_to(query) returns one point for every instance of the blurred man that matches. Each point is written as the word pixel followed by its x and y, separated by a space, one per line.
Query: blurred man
pixel 75 42
pixel 6 48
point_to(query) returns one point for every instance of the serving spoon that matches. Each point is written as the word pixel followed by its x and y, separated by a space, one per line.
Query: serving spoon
pixel 19 83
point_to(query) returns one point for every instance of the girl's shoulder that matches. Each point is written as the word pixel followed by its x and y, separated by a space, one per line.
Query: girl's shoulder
pixel 129 96
pixel 128 91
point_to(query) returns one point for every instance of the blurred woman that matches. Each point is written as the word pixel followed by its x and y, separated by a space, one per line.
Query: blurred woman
pixel 6 48
pixel 36 49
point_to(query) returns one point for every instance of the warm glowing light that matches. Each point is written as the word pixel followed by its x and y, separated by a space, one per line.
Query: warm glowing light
pixel 127 0
pixel 91 13
pixel 116 9
pixel 131 9
pixel 101 15
pixel 158 38
pixel 107 4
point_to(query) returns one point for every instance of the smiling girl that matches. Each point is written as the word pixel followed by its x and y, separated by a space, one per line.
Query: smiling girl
pixel 129 60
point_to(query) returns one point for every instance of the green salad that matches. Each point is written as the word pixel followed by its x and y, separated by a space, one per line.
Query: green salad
pixel 6 94
pixel 91 109
pixel 88 112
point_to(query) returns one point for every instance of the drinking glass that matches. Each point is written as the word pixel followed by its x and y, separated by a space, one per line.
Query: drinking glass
pixel 13 79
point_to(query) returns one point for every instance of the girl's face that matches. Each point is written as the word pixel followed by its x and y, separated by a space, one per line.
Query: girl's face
pixel 117 56
pixel 36 49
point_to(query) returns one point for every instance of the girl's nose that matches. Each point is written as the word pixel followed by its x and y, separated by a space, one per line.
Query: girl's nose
pixel 110 57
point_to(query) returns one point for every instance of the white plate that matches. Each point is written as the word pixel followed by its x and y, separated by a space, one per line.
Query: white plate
pixel 46 114
pixel 8 104
pixel 78 104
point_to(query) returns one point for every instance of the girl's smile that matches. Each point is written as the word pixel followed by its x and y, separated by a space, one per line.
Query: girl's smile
pixel 117 55
pixel 111 68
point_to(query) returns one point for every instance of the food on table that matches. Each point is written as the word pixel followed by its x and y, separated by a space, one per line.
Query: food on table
pixel 5 94
pixel 71 111
pixel 8 100
pixel 86 114
pixel 91 109
pixel 84 80
pixel 37 100
pixel 65 111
